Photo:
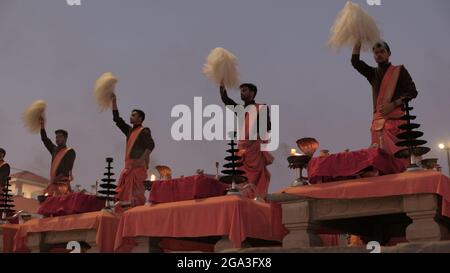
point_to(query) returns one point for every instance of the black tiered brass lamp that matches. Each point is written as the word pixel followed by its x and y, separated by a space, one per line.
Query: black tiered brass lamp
pixel 233 175
pixel 6 201
pixel 108 188
pixel 412 146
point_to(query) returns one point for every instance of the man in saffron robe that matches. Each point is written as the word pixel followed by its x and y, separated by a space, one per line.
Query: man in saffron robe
pixel 4 174
pixel 140 144
pixel 390 86
pixel 63 159
pixel 254 159
pixel 4 169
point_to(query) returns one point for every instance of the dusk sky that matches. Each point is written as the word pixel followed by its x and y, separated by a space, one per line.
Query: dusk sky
pixel 156 48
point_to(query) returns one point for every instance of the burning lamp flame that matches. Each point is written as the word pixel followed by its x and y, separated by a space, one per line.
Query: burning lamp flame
pixel 294 152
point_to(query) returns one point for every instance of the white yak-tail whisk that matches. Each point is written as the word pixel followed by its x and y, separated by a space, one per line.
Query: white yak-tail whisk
pixel 221 67
pixel 32 116
pixel 104 90
pixel 353 25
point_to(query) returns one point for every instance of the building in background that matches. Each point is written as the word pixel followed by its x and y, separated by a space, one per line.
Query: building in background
pixel 28 185
pixel 25 188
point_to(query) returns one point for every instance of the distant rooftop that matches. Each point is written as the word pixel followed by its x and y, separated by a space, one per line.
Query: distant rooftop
pixel 26 175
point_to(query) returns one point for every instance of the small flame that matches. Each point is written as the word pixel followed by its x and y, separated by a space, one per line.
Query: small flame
pixel 46 194
pixel 152 177
pixel 293 151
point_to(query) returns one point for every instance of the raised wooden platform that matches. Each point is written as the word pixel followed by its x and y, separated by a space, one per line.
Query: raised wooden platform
pixel 416 216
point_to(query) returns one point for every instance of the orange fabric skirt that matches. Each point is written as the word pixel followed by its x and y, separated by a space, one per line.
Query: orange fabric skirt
pixel 255 166
pixel 386 137
pixel 131 184
pixel 60 186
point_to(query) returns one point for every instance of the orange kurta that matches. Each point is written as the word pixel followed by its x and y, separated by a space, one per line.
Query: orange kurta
pixel 255 161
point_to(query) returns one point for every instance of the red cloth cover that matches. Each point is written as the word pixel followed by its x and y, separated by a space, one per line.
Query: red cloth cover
pixel 349 164
pixel 186 188
pixel 72 203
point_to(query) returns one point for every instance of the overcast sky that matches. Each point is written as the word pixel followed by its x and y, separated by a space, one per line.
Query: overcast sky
pixel 54 52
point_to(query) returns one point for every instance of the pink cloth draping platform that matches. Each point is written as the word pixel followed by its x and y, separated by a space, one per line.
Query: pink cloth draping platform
pixel 233 216
pixel 105 223
pixel 9 231
pixel 407 183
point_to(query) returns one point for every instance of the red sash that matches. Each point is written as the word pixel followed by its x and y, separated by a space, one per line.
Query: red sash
pixel 387 90
pixel 131 140
pixel 57 161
